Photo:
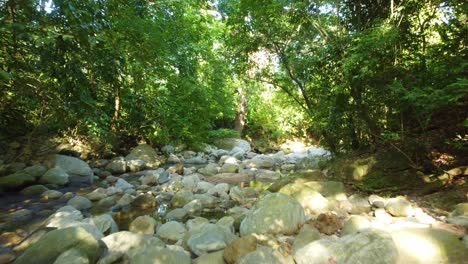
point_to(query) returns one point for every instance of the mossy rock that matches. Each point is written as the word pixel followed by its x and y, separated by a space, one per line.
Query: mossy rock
pixel 297 177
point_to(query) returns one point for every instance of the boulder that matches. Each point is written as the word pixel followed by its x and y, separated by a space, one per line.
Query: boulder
pixel 312 201
pixel 239 248
pixel 172 231
pixel 72 256
pixel 460 209
pixel 117 166
pixel 307 234
pixel 368 246
pixel 229 168
pixel 143 225
pixel 425 245
pixel 360 204
pixel 123 184
pixel 399 207
pixel 55 176
pixel 53 244
pixel 145 153
pixel 51 194
pixel 265 255
pixel 230 178
pixel 128 243
pixel 211 258
pixel 210 169
pixel 161 255
pixel 181 198
pixel 36 170
pixel 266 175
pixel 276 213
pixel 34 190
pixel 80 202
pixel 136 165
pixel 144 201
pixel 209 238
pixel 15 181
pixel 71 165
pixel 230 143
pixel 105 223
pixel 354 224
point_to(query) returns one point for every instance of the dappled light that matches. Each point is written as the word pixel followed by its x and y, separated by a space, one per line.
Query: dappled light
pixel 233 131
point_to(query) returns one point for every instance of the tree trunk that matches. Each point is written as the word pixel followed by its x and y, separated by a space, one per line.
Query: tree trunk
pixel 239 122
pixel 115 118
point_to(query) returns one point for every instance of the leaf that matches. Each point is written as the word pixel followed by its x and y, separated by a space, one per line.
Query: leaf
pixel 5 76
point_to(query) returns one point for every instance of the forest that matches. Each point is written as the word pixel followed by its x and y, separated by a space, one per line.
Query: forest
pixel 203 123
pixel 346 74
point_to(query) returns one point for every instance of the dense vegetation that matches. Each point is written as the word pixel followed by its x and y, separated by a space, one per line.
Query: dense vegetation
pixel 351 74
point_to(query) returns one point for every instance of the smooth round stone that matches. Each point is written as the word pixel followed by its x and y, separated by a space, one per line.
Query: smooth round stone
pixel 80 202
pixel 172 231
pixel 143 225
pixel 34 190
pixel 51 194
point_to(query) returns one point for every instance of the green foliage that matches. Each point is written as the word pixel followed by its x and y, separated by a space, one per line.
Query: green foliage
pixel 223 133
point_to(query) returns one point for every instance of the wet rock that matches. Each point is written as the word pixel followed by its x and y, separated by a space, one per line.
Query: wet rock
pixel 178 214
pixel 172 231
pixel 276 213
pixel 144 201
pixel 125 200
pixel 55 176
pixel 96 195
pixel 181 198
pixel 368 246
pixel 123 184
pixel 46 250
pixel 34 190
pixel 51 194
pixel 143 225
pixel 399 207
pixel 80 202
pixel 209 238
pixel 20 216
pixel 239 248
pixel 106 202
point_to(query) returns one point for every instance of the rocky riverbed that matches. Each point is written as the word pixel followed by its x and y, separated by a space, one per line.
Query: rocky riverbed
pixel 223 205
